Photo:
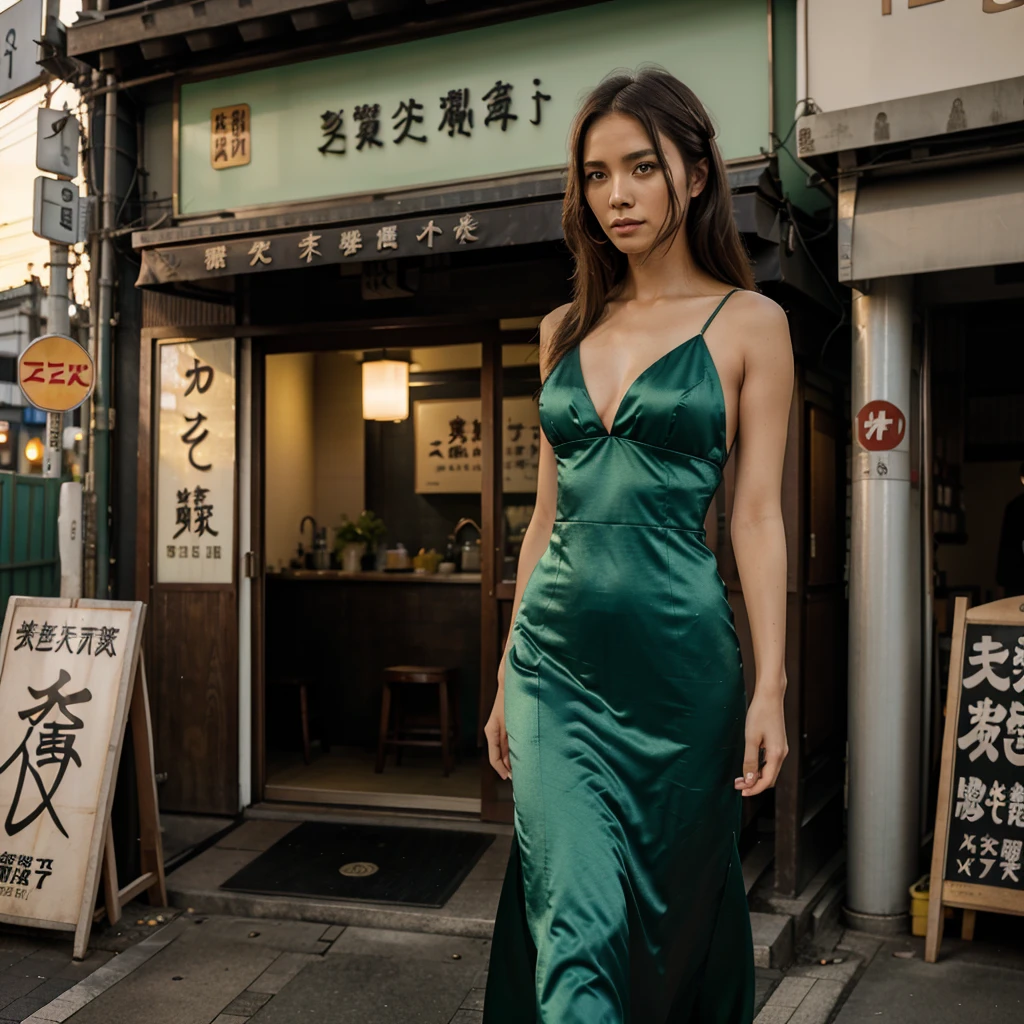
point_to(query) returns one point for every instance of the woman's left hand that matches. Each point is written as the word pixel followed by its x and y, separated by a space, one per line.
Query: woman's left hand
pixel 766 729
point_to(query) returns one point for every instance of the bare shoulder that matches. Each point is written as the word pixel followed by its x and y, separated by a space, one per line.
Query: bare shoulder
pixel 761 328
pixel 548 326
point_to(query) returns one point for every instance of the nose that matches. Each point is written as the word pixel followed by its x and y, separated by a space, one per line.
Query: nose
pixel 620 196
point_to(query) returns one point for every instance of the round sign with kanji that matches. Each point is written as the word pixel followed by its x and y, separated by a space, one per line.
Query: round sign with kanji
pixel 55 373
pixel 880 426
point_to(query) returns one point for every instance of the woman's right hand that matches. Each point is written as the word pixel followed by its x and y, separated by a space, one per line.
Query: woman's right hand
pixel 494 730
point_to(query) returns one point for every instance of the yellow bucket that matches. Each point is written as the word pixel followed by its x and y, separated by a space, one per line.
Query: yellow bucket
pixel 919 907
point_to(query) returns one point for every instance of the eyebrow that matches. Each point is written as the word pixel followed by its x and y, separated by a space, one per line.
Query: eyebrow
pixel 628 158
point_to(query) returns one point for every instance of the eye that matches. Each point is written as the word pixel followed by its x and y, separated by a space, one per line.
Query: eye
pixel 592 175
pixel 645 167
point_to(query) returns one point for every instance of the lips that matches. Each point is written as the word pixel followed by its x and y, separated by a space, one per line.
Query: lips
pixel 625 225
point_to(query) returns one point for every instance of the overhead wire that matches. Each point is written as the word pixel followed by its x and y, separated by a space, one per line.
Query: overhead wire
pixel 17 142
pixel 7 125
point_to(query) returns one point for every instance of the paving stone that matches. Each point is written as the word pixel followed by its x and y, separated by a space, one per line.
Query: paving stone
pixel 843 972
pixel 47 962
pixel 774 1015
pixel 331 933
pixel 361 989
pixel 43 993
pixel 76 970
pixel 282 936
pixel 247 1003
pixel 914 992
pixel 475 999
pixel 207 983
pixel 10 957
pixel 14 986
pixel 280 972
pixel 790 992
pixel 765 982
pixel 107 975
pixel 463 1016
pixel 19 944
pixel 420 945
pixel 817 1006
pixel 227 1018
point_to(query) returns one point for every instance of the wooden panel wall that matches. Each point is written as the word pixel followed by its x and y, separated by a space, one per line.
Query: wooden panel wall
pixel 193 685
pixel 191 638
pixel 160 309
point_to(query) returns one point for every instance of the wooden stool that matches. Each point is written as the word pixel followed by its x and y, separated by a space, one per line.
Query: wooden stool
pixel 447 728
pixel 302 684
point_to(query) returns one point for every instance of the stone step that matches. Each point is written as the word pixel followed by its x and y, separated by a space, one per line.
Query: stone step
pixel 773 939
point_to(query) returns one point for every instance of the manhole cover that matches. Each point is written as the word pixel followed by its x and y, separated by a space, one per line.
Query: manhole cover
pixel 358 869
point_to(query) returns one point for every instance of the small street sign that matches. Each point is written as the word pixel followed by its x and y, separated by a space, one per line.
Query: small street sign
pixel 55 373
pixel 57 135
pixel 56 211
pixel 21 28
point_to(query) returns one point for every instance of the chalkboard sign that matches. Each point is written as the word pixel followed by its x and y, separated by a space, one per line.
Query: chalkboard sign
pixel 977 862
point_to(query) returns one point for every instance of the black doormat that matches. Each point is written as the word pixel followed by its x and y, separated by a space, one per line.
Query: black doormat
pixel 421 867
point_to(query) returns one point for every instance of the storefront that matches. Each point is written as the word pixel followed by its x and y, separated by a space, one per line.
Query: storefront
pixel 400 201
pixel 923 143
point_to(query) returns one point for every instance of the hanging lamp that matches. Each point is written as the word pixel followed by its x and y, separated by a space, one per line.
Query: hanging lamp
pixel 386 389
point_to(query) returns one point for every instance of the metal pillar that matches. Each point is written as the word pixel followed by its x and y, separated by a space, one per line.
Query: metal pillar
pixel 102 414
pixel 885 632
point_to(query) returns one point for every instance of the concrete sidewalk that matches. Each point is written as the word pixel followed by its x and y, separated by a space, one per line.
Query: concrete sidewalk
pixel 229 970
pixel 871 979
pixel 36 966
pixel 980 982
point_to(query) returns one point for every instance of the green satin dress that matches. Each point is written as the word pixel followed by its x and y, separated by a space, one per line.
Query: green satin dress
pixel 623 901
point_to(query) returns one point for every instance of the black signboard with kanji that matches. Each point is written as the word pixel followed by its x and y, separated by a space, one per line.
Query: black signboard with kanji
pixel 357 242
pixel 979 830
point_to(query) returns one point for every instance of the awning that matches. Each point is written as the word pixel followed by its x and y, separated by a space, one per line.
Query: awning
pixel 944 220
pixel 440 221
pixel 352 243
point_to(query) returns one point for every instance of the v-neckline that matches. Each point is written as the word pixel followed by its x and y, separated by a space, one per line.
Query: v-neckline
pixel 699 336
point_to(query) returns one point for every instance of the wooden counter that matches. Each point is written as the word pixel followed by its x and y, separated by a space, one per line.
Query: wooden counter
pixel 378 577
pixel 340 630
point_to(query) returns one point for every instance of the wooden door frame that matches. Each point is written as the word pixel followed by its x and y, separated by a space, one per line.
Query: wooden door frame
pixel 146 586
pixel 492 588
pixel 369 334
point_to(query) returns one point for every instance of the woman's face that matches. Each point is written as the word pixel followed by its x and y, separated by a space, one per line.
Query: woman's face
pixel 625 184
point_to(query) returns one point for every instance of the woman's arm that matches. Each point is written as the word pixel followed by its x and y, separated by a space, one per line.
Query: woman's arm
pixel 535 541
pixel 758 538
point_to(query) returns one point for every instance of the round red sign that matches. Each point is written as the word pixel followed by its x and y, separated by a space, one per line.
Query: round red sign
pixel 880 426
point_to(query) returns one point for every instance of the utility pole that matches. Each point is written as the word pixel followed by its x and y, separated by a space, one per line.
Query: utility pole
pixel 102 413
pixel 58 322
pixel 59 376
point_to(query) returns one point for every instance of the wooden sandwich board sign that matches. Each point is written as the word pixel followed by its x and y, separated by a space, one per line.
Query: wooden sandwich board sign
pixel 69 671
pixel 979 821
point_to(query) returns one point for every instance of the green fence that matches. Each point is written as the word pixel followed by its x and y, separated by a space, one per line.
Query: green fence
pixel 29 560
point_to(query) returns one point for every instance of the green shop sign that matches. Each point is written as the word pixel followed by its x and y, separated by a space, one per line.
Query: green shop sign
pixel 477 104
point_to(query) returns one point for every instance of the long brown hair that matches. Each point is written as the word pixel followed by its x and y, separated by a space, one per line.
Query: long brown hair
pixel 662 104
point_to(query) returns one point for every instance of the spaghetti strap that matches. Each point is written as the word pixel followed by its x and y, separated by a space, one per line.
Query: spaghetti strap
pixel 725 299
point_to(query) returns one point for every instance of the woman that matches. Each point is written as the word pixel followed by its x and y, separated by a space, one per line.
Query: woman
pixel 621 713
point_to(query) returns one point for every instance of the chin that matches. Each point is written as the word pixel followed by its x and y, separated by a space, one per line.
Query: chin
pixel 632 245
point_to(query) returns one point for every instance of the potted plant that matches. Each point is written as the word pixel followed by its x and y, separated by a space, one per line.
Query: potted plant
pixel 357 540
pixel 350 544
pixel 372 529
